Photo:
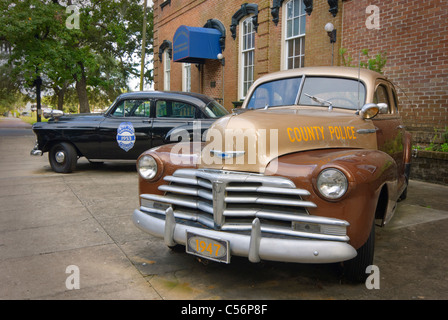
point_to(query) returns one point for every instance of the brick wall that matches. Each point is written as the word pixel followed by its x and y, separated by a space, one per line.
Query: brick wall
pixel 210 80
pixel 430 166
pixel 318 49
pixel 415 35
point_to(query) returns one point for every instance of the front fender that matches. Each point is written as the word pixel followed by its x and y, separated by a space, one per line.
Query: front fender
pixel 367 171
pixel 169 158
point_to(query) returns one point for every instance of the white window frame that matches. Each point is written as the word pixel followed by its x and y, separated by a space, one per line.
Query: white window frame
pixel 290 38
pixel 186 77
pixel 166 71
pixel 246 48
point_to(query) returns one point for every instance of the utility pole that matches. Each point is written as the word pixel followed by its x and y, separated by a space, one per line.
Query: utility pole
pixel 38 83
pixel 142 66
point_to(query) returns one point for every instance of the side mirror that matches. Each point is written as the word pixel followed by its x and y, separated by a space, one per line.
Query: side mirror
pixel 369 111
pixel 50 113
pixel 384 108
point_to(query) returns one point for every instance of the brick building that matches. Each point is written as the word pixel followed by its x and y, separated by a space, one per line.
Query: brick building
pixel 262 36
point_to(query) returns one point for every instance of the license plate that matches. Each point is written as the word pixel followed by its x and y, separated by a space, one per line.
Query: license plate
pixel 209 248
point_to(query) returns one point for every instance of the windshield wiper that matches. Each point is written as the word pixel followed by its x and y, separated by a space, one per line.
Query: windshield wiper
pixel 320 100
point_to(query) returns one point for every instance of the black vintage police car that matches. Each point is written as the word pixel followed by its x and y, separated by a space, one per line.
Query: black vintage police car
pixel 135 122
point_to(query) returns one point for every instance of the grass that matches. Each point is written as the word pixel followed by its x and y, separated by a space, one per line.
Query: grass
pixel 32 119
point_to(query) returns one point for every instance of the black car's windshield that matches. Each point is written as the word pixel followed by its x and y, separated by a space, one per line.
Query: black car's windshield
pixel 215 110
pixel 315 91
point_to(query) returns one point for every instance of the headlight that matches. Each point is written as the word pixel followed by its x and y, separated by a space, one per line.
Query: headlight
pixel 332 183
pixel 147 167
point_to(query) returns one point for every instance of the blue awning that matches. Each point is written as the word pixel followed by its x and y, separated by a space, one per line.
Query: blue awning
pixel 194 44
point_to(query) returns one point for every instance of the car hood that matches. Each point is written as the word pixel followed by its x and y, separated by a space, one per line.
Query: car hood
pixel 70 120
pixel 250 140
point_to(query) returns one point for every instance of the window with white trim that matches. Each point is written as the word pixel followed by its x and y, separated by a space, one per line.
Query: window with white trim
pixel 247 56
pixel 166 71
pixel 186 77
pixel 295 34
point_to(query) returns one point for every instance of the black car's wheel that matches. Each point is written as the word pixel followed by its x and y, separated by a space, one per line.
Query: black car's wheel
pixel 355 269
pixel 63 157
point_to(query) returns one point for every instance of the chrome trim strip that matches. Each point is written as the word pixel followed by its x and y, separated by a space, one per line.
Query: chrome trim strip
pixel 289 217
pixel 261 189
pixel 186 191
pixel 266 200
pixel 234 176
pixel 201 205
pixel 365 131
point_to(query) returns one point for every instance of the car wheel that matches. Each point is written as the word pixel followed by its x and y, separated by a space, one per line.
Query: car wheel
pixel 355 269
pixel 63 157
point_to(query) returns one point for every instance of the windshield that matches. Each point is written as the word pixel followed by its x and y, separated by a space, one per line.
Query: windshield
pixel 215 110
pixel 276 93
pixel 340 92
pixel 315 91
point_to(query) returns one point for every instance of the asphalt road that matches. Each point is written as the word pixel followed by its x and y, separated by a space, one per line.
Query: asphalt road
pixel 70 236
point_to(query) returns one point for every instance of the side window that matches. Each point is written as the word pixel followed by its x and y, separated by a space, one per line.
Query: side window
pixel 142 109
pixel 132 108
pixel 174 109
pixel 381 96
pixel 395 98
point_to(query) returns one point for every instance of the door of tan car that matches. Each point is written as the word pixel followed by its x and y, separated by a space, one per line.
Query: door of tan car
pixel 390 129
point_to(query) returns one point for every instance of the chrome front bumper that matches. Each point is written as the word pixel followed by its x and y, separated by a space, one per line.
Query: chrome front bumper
pixel 36 151
pixel 253 246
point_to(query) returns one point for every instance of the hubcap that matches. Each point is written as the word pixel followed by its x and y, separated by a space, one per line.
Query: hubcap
pixel 60 157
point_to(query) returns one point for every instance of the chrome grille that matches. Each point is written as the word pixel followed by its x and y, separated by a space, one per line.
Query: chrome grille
pixel 230 201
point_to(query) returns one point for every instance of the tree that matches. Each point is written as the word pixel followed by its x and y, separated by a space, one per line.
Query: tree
pixel 98 53
pixel 105 46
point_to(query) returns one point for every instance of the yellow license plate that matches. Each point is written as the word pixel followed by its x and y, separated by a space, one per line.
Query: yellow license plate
pixel 208 248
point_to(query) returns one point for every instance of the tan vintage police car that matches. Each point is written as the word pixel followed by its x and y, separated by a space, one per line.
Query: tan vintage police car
pixel 314 159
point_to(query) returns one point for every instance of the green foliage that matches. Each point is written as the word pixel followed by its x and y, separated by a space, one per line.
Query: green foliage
pixel 438 143
pixel 376 63
pixel 102 51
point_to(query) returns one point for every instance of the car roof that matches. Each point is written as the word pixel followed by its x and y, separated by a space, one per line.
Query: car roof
pixel 193 97
pixel 350 72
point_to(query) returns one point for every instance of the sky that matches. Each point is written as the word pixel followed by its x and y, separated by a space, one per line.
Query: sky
pixel 134 82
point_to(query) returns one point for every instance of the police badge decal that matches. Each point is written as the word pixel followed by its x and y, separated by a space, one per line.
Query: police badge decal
pixel 126 136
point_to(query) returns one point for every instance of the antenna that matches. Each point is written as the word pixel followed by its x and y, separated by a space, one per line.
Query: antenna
pixel 359 76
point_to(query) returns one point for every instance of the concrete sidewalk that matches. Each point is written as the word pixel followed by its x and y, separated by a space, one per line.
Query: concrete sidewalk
pixel 11 122
pixel 50 222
